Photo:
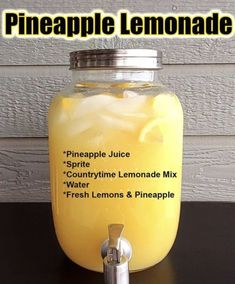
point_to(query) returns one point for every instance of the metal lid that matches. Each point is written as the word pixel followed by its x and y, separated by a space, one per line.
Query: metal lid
pixel 116 59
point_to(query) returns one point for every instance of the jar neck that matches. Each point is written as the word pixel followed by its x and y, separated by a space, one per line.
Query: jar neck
pixel 111 75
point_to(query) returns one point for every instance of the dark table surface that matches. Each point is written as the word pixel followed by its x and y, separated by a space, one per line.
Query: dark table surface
pixel 204 251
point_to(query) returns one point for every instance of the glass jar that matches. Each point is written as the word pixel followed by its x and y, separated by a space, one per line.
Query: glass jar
pixel 115 143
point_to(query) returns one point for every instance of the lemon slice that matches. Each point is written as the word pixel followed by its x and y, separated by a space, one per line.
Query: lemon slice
pixel 151 133
pixel 67 103
pixel 164 104
pixel 86 85
pixel 124 85
pixel 129 85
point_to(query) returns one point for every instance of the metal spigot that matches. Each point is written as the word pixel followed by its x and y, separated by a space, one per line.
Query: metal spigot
pixel 116 253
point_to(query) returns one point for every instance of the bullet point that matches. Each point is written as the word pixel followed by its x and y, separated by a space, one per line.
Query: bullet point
pixel 64 162
pixel 64 192
pixel 64 182
pixel 64 152
pixel 64 173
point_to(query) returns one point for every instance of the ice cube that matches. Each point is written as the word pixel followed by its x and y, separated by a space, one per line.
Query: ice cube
pixel 91 104
pixel 128 105
pixel 129 94
pixel 117 123
pixel 79 127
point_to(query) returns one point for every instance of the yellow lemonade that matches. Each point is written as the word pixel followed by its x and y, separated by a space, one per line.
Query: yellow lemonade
pixel 116 157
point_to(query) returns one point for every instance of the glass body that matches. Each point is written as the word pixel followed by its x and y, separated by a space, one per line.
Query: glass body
pixel 116 112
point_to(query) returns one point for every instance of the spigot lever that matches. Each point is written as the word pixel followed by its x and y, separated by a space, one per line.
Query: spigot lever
pixel 116 253
pixel 114 250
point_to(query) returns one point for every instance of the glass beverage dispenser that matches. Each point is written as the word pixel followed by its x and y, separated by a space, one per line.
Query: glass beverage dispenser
pixel 115 143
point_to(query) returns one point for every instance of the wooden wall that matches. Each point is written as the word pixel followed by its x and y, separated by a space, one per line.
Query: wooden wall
pixel 200 71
